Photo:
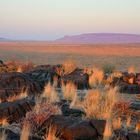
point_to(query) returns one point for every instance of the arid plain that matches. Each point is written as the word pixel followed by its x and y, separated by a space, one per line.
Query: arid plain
pixel 121 56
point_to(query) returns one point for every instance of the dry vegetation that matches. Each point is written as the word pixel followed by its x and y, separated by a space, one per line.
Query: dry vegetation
pixel 101 102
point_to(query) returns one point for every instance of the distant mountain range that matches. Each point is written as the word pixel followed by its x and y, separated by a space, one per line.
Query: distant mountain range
pixel 4 39
pixel 93 38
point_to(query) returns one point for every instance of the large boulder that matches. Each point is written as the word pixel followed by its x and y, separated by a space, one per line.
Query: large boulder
pixel 10 135
pixel 14 83
pixel 12 111
pixel 138 79
pixel 71 128
pixel 129 78
pixel 43 74
pixel 77 77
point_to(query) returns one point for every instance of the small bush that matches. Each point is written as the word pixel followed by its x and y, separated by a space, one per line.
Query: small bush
pixel 108 68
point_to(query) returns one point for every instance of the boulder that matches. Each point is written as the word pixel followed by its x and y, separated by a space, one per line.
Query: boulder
pixel 12 111
pixel 129 78
pixel 15 83
pixel 99 125
pixel 137 79
pixel 67 111
pixel 71 128
pixel 77 77
pixel 10 135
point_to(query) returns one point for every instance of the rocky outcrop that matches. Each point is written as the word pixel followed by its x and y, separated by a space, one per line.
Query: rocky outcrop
pixel 14 83
pixel 12 111
pixel 77 77
pixel 71 128
pixel 128 83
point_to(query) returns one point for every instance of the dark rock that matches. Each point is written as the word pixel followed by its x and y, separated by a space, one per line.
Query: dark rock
pixel 71 128
pixel 1 62
pixel 135 105
pixel 80 131
pixel 67 111
pixel 137 79
pixel 133 136
pixel 130 89
pixel 14 83
pixel 77 77
pixel 129 78
pixel 10 135
pixel 43 74
pixel 99 125
pixel 12 111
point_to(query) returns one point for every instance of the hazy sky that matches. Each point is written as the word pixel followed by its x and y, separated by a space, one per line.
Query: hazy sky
pixel 51 19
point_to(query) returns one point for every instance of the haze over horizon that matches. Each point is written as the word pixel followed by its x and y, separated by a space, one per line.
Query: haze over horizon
pixel 53 19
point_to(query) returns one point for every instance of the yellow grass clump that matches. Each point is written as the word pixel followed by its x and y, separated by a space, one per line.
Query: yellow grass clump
pixel 69 66
pixel 117 123
pixel 51 134
pixel 99 104
pixel 4 122
pixel 50 93
pixel 131 69
pixel 69 91
pixel 137 129
pixel 25 132
pixel 19 69
pixel 3 136
pixel 96 77
pixel 108 131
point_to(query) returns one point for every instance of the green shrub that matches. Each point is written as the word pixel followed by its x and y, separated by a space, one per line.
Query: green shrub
pixel 108 68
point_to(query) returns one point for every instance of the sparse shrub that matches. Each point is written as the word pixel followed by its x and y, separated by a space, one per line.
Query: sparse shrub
pixel 41 112
pixel 108 68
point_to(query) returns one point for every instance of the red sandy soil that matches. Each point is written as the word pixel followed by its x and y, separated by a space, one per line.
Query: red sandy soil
pixel 96 49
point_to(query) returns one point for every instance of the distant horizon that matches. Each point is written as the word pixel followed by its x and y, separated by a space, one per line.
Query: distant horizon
pixel 14 39
pixel 52 19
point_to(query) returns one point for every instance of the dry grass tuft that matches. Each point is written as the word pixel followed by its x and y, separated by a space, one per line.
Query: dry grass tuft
pixel 50 93
pixel 69 66
pixel 4 122
pixel 137 129
pixel 108 131
pixel 96 78
pixel 37 117
pixel 69 91
pixel 3 136
pixel 51 134
pixel 131 69
pixel 25 131
pixel 117 123
pixel 99 104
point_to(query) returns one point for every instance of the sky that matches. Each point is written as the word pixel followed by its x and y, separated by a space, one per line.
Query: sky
pixel 52 19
